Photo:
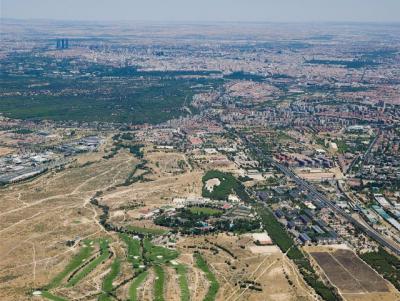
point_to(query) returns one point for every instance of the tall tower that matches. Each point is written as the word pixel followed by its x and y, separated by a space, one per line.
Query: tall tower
pixel 66 43
pixel 62 44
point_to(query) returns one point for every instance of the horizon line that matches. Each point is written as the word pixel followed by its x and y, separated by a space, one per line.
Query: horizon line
pixel 390 22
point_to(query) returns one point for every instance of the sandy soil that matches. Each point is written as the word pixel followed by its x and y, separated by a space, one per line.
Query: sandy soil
pixel 6 150
pixel 39 216
pixel 269 270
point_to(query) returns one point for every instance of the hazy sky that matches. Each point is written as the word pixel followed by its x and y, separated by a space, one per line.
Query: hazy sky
pixel 205 10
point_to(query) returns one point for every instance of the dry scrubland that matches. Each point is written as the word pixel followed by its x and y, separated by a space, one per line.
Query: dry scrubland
pixel 5 151
pixel 38 217
pixel 277 276
pixel 165 182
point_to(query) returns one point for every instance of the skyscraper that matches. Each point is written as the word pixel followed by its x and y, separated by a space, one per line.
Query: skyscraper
pixel 62 44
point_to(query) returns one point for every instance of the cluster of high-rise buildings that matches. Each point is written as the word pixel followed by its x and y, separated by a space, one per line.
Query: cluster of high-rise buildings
pixel 62 44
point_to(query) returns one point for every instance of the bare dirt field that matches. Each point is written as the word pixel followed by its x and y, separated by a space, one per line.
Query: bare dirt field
pixel 354 279
pixel 167 162
pixel 198 284
pixel 38 217
pixel 6 150
pixel 275 275
pixel 164 182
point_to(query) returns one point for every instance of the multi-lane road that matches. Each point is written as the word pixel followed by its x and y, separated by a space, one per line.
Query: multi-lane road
pixel 325 200
pixel 312 190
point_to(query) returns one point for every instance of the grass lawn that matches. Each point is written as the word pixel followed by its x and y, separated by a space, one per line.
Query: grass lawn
pixel 76 261
pixel 108 280
pixel 205 210
pixel 134 250
pixel 214 285
pixel 159 283
pixel 183 282
pixel 158 254
pixel 135 284
pixel 104 253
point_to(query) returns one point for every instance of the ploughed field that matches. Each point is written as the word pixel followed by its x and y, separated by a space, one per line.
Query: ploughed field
pixel 354 279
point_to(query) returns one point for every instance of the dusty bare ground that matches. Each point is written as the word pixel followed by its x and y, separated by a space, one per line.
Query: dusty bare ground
pixel 145 290
pixel 172 289
pixel 160 187
pixel 271 271
pixel 167 162
pixel 6 150
pixel 38 217
pixel 198 284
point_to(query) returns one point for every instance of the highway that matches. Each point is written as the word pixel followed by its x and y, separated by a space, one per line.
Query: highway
pixel 317 195
pixel 368 151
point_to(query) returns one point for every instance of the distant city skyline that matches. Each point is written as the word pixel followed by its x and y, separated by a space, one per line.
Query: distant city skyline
pixel 205 10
